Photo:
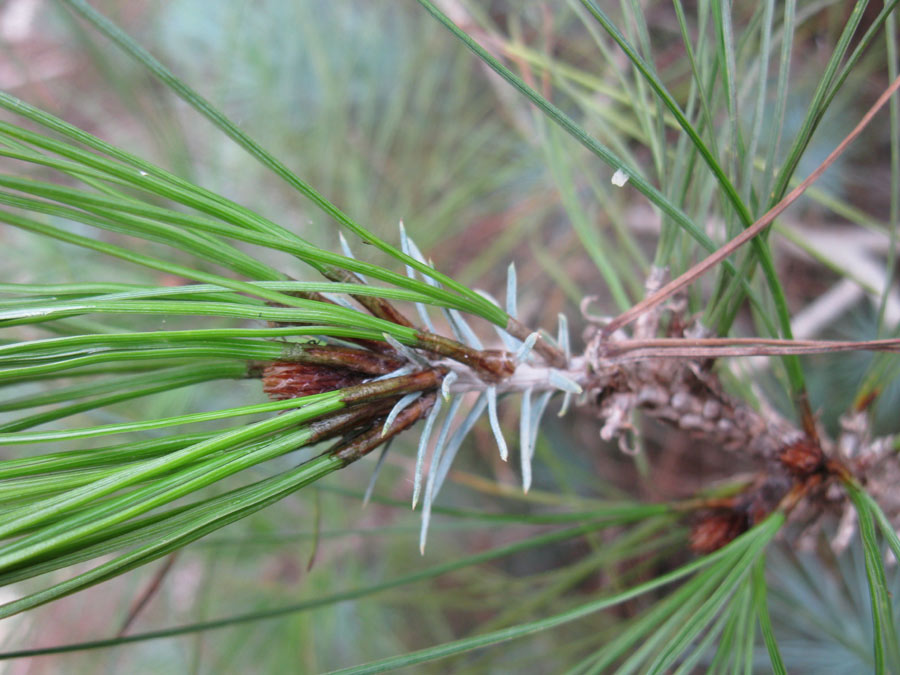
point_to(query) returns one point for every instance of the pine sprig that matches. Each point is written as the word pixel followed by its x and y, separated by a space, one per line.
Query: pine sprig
pixel 371 352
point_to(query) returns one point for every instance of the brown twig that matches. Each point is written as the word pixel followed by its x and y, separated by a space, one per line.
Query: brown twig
pixel 700 348
pixel 150 590
pixel 317 530
pixel 754 230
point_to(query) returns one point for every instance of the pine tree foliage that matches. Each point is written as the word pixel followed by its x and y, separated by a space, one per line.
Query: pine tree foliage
pixel 669 143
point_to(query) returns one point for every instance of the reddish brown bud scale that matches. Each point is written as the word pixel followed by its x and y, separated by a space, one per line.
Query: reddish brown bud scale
pixel 716 530
pixel 347 358
pixel 283 380
pixel 802 458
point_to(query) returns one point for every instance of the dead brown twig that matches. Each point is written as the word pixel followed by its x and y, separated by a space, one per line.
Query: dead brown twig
pixel 667 291
pixel 147 594
pixel 702 348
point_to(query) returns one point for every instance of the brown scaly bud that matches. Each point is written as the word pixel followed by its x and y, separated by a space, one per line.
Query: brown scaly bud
pixel 715 530
pixel 802 458
pixel 282 379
